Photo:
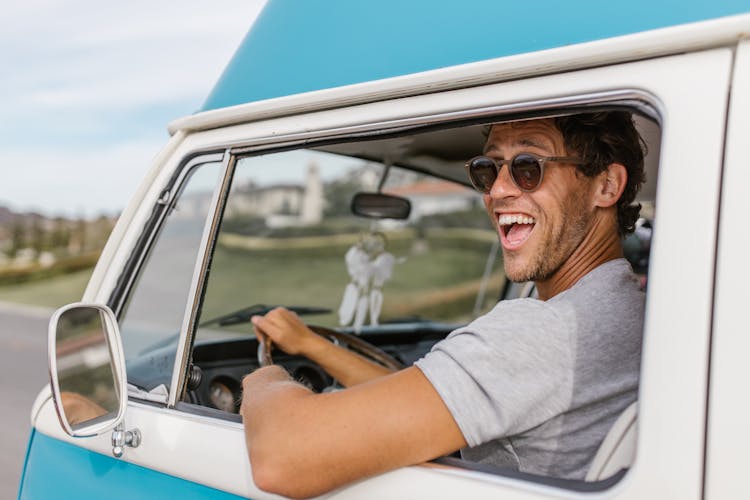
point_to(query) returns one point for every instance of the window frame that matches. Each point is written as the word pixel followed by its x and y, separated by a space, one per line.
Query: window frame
pixel 128 280
pixel 630 99
pixel 152 228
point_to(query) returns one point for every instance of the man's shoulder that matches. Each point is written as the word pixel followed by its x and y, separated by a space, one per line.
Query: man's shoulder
pixel 521 307
pixel 613 278
pixel 608 298
pixel 613 273
pixel 516 316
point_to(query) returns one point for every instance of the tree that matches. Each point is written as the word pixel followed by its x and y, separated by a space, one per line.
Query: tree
pixel 37 234
pixel 18 237
pixel 60 237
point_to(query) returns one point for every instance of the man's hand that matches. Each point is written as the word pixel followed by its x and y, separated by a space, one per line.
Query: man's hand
pixel 292 336
pixel 286 331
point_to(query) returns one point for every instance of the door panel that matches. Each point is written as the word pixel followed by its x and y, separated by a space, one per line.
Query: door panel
pixel 58 469
pixel 669 461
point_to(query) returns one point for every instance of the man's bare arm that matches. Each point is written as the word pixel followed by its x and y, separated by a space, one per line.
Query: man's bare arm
pixel 303 444
pixel 286 330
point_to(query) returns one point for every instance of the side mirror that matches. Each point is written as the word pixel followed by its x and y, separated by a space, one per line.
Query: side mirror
pixel 381 206
pixel 87 369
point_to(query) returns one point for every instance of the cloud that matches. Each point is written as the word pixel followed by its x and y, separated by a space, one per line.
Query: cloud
pixel 119 54
pixel 78 182
pixel 87 83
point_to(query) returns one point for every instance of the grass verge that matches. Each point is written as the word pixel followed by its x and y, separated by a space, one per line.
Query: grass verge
pixel 52 292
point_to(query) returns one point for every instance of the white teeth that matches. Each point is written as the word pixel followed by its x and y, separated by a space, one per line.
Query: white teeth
pixel 506 220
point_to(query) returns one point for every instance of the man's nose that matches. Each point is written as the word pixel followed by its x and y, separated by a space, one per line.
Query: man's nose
pixel 504 187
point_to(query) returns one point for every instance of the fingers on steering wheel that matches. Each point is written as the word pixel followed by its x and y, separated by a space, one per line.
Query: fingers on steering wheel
pixel 264 350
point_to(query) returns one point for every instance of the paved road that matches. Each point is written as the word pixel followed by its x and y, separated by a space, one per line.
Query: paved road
pixel 23 372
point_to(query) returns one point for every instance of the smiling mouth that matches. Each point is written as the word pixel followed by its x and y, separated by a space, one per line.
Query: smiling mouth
pixel 515 229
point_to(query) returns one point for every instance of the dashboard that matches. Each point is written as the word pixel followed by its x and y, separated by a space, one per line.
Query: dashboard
pixel 216 379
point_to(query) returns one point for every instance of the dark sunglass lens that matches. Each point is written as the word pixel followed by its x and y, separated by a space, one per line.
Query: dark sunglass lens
pixel 526 171
pixel 483 173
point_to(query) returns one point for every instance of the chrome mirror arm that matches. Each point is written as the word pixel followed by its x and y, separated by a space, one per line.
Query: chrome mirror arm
pixel 122 438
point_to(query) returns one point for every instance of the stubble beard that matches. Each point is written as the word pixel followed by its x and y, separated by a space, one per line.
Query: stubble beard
pixel 556 247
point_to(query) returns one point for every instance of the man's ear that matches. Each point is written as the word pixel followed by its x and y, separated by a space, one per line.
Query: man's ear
pixel 610 184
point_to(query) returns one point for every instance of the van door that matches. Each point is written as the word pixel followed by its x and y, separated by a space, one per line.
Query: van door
pixel 186 445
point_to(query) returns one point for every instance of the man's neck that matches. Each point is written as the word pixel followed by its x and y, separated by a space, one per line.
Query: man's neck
pixel 600 245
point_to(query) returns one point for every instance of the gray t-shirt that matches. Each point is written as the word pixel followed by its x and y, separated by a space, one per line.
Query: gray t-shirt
pixel 536 385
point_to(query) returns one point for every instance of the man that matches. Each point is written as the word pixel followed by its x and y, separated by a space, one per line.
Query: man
pixel 536 383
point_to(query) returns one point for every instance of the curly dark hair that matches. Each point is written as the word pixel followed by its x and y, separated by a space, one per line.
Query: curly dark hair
pixel 603 138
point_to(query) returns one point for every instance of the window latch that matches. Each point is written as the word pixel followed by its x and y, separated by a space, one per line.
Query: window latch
pixel 164 197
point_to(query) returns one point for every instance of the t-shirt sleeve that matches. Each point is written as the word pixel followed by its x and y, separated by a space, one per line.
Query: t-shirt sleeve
pixel 508 371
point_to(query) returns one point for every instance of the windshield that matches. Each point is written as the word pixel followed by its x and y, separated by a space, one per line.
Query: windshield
pixel 289 238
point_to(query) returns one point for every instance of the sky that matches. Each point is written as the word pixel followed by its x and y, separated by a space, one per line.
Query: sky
pixel 87 89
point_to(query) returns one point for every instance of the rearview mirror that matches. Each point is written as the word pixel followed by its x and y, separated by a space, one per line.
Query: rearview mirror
pixel 381 206
pixel 87 369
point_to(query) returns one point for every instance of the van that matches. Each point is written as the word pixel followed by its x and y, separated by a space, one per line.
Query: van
pixel 251 205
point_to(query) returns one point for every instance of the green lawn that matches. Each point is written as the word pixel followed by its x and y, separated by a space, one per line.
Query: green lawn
pixel 52 292
pixel 440 281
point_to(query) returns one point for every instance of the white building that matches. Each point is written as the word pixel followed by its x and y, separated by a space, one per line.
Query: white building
pixel 282 204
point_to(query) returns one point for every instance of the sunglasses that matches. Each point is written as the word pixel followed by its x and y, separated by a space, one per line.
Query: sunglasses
pixel 526 170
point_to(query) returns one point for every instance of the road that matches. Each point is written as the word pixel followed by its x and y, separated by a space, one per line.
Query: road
pixel 23 372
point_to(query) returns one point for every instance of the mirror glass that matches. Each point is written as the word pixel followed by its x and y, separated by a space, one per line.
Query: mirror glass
pixel 381 206
pixel 88 390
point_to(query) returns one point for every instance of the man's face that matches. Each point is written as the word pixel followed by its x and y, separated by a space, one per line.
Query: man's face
pixel 541 229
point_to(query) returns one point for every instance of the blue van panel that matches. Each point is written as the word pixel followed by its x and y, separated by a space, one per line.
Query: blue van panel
pixel 26 460
pixel 56 469
pixel 299 46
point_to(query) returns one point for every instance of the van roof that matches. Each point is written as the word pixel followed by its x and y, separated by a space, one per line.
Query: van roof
pixel 302 46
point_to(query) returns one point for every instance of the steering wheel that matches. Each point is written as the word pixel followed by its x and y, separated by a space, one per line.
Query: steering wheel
pixel 350 341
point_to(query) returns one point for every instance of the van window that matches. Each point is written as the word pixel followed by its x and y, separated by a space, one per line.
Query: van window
pixel 153 315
